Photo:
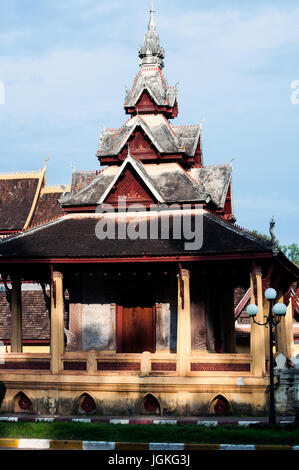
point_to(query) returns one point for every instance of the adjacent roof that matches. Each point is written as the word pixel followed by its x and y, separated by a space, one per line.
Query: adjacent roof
pixel 19 195
pixel 47 206
pixel 35 317
pixel 75 236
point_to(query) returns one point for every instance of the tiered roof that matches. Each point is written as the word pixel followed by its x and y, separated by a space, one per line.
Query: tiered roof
pixel 166 159
pixel 169 183
pixel 148 161
pixel 168 142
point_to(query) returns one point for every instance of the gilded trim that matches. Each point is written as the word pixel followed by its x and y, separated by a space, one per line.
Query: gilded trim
pixel 37 193
pixel 56 189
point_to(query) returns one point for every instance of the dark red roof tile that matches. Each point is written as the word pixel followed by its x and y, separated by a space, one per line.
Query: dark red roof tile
pixel 16 199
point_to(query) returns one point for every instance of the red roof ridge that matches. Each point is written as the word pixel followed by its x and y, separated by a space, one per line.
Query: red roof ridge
pixel 189 176
pixel 117 130
pixel 227 165
pixel 92 177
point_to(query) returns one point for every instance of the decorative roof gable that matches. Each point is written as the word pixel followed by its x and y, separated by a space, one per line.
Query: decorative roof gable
pixel 132 182
pixel 168 183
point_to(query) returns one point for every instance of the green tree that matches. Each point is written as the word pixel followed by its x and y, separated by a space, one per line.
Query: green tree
pixel 291 251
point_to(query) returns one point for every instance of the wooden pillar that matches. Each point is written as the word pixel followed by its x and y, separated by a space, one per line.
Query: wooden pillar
pixel 184 323
pixel 289 330
pixel 57 322
pixel 16 315
pixel 280 332
pixel 257 334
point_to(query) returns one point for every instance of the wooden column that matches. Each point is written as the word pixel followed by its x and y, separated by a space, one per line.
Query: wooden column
pixel 184 323
pixel 289 330
pixel 257 335
pixel 280 332
pixel 16 314
pixel 57 322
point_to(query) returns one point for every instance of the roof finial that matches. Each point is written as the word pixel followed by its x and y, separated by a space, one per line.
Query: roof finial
pixel 152 24
pixel 151 53
pixel 45 161
pixel 275 249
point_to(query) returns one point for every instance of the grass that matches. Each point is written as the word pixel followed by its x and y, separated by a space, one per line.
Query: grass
pixel 186 433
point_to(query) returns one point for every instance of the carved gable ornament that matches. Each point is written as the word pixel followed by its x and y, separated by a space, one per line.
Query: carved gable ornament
pixel 130 186
pixel 133 183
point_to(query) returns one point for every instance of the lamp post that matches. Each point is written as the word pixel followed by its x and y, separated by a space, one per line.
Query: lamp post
pixel 279 309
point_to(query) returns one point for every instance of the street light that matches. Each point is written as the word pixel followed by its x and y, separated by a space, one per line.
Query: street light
pixel 279 309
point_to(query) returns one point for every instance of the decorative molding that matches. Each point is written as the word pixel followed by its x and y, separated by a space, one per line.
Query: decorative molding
pixel 74 365
pixel 163 367
pixel 38 365
pixel 129 366
pixel 134 163
pixel 129 187
pixel 219 367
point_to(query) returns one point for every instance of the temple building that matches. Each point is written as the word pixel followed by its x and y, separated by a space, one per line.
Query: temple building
pixel 140 271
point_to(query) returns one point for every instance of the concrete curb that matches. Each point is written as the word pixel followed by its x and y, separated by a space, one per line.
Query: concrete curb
pixel 48 444
pixel 202 422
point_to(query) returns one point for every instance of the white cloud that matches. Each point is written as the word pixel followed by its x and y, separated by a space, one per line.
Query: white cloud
pixel 11 37
pixel 236 30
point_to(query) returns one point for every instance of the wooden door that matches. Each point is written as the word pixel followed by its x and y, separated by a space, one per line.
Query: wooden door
pixel 136 329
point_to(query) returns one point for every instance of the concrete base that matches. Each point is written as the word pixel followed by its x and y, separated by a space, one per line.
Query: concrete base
pixel 114 398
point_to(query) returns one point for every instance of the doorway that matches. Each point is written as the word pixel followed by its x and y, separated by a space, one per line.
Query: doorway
pixel 136 329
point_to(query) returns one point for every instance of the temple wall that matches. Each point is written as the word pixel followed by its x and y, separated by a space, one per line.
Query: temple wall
pixel 128 402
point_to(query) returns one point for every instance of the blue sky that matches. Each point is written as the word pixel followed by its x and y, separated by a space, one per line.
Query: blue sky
pixel 65 65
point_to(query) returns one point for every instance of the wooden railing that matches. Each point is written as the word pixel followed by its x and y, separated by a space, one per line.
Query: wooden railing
pixel 112 363
pixel 20 362
pixel 145 364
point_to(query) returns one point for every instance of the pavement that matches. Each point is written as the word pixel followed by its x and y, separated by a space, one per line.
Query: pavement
pixel 207 421
pixel 46 444
pixel 49 444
